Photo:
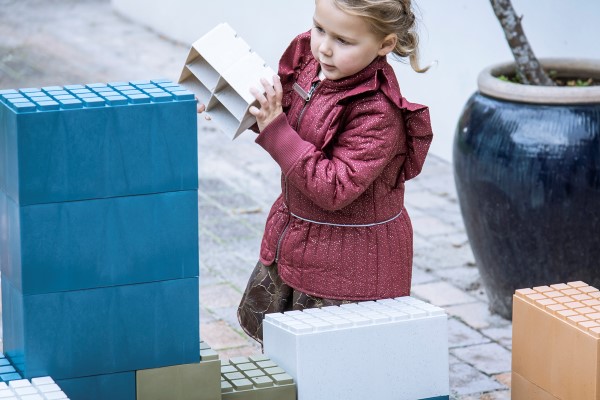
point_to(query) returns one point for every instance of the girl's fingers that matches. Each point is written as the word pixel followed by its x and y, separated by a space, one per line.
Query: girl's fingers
pixel 200 108
pixel 277 86
pixel 254 111
pixel 269 91
pixel 259 97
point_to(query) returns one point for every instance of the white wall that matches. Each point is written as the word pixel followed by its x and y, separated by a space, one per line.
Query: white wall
pixel 463 36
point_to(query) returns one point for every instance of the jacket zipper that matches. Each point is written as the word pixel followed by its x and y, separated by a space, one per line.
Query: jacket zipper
pixel 306 101
pixel 287 224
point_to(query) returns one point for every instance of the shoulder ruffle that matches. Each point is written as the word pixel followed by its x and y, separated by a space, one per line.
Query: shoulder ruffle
pixel 293 60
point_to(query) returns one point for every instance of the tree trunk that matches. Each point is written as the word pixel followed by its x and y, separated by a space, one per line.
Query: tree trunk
pixel 529 69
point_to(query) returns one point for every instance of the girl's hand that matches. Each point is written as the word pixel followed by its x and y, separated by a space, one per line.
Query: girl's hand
pixel 200 108
pixel 270 102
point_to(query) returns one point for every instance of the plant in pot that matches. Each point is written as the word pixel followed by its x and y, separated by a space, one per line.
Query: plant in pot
pixel 527 169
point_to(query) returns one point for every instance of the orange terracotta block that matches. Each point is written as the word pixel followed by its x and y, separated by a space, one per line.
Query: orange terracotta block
pixel 574 304
pixel 576 319
pixel 563 299
pixel 546 302
pixel 560 286
pixel 585 310
pixel 524 292
pixel 554 308
pixel 556 349
pixel 522 389
pixel 581 297
pixel 588 289
pixel 534 297
pixel 531 336
pixel 570 292
pixel 590 324
pixel 577 284
pixel 566 313
pixel 595 332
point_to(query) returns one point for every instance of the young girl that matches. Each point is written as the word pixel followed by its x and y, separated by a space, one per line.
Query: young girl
pixel 346 140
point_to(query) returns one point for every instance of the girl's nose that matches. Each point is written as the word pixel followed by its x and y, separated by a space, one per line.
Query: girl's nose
pixel 325 48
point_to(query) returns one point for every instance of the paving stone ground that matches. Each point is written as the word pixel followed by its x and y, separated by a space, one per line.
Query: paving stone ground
pixel 73 41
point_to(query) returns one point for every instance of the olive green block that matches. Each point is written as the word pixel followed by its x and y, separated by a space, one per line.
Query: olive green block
pixel 197 381
pixel 255 378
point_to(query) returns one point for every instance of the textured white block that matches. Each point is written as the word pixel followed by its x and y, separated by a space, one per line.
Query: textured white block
pixel 43 380
pixel 56 396
pixel 42 388
pixel 19 383
pixel 389 349
pixel 220 70
pixel 31 397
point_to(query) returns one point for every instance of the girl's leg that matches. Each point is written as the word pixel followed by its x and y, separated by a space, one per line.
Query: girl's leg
pixel 265 293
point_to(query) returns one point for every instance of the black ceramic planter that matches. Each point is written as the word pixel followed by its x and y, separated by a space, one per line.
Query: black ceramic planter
pixel 528 179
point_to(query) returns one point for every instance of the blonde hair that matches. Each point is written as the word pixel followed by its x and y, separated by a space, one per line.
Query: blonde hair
pixel 389 16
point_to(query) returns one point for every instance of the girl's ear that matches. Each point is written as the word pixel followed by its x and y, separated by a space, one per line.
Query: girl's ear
pixel 388 44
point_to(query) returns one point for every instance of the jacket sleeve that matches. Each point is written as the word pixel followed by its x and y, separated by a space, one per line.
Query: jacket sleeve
pixel 370 139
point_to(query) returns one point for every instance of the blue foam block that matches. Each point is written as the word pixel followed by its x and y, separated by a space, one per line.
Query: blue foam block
pixel 4 126
pixel 4 248
pixel 101 331
pixel 119 386
pixel 7 370
pixel 95 148
pixel 96 243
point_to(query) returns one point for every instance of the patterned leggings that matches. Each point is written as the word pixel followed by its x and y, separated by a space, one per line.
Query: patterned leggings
pixel 267 293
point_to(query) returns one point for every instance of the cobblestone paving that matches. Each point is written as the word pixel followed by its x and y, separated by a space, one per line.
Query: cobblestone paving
pixel 69 42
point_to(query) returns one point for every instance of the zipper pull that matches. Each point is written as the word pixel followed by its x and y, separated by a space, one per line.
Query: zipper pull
pixel 302 93
pixel 312 90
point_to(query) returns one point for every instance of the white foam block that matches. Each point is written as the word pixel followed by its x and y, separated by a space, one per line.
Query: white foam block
pixel 220 70
pixel 389 349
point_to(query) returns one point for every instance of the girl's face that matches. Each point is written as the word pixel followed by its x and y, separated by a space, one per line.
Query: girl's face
pixel 342 43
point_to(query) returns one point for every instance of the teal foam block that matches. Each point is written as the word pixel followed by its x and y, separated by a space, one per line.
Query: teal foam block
pixel 101 331
pixel 4 250
pixel 97 243
pixel 96 147
pixel 7 371
pixel 3 149
pixel 119 386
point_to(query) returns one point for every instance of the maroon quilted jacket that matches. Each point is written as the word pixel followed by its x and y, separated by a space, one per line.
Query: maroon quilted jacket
pixel 339 229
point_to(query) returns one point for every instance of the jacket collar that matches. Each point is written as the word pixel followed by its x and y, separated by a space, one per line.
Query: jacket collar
pixel 377 75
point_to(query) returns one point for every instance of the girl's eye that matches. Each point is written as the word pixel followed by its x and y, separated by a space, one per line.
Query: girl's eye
pixel 319 29
pixel 342 41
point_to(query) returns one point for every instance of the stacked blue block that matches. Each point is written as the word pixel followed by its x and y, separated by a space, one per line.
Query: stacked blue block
pixel 58 145
pixel 7 370
pixel 96 243
pixel 98 331
pixel 98 230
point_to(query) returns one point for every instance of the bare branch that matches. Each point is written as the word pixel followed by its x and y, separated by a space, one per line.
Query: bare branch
pixel 528 67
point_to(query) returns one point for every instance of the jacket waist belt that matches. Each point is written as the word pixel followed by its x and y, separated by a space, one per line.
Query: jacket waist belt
pixel 346 225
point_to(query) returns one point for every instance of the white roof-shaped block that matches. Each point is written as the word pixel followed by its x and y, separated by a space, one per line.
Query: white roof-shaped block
pixel 220 70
